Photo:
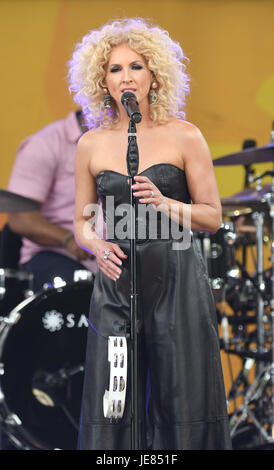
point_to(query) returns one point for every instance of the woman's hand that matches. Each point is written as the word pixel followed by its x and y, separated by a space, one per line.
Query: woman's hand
pixel 147 191
pixel 109 258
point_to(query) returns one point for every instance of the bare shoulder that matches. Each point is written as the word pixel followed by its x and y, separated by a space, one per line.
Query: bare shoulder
pixel 185 130
pixel 88 145
pixel 194 145
pixel 90 138
pixel 189 140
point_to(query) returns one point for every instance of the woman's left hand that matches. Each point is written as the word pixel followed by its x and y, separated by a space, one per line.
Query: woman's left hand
pixel 147 191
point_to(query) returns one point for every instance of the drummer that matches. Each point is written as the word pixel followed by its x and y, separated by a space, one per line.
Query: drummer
pixel 44 171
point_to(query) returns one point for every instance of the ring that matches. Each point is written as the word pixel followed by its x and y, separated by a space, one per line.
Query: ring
pixel 151 193
pixel 107 253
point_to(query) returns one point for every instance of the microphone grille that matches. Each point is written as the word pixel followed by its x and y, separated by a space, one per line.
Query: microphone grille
pixel 126 95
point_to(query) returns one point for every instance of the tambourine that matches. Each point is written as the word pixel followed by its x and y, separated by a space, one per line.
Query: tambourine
pixel 114 398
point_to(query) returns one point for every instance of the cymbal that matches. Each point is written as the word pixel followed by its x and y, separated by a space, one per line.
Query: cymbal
pixel 12 202
pixel 249 198
pixel 235 211
pixel 248 156
pixel 254 206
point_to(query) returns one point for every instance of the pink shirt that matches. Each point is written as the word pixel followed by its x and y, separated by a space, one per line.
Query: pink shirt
pixel 44 171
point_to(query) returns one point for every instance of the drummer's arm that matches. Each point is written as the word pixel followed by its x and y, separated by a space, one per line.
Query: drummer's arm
pixel 34 226
pixel 33 172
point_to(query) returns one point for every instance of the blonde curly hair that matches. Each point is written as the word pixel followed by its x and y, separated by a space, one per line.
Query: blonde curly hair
pixel 164 58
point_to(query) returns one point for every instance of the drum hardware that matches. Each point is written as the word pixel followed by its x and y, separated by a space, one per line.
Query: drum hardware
pixel 218 252
pixel 252 203
pixel 260 310
pixel 224 319
pixel 78 275
pixel 246 353
pixel 248 156
pixel 82 275
pixel 58 282
pixel 248 143
pixel 270 201
pixel 48 383
pixel 258 220
pixel 6 273
pixel 255 284
pixel 241 379
pixel 42 367
pixel 13 420
pixel 258 404
pixel 49 389
pixel 252 200
pixel 15 285
pixel 52 389
pixel 232 212
pixel 255 392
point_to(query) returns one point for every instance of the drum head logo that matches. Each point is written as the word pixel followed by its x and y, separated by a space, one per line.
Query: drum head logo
pixel 53 320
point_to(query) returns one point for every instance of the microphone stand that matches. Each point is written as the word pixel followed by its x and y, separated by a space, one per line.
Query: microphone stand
pixel 132 166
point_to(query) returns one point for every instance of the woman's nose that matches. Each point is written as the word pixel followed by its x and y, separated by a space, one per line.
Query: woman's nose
pixel 127 76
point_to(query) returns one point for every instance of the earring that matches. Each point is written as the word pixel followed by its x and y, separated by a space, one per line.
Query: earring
pixel 107 98
pixel 152 93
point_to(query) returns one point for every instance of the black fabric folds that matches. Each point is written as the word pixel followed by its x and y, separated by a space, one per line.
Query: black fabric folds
pixel 181 381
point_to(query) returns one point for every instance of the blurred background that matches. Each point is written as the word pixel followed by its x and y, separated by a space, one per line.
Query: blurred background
pixel 230 47
pixel 229 44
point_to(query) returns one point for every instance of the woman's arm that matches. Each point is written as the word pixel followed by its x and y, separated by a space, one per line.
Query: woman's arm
pixel 85 194
pixel 206 211
pixel 86 203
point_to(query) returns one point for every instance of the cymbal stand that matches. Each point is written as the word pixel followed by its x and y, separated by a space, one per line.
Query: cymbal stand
pixel 270 200
pixel 264 373
pixel 254 394
pixel 260 325
pixel 258 218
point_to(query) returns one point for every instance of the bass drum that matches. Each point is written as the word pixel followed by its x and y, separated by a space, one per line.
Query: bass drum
pixel 42 354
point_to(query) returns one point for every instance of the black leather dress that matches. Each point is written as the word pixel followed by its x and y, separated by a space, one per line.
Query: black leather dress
pixel 181 381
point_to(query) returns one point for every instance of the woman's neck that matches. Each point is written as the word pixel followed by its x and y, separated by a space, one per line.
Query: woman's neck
pixel 123 119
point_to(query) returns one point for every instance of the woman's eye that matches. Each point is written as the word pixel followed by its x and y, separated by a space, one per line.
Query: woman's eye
pixel 134 67
pixel 115 69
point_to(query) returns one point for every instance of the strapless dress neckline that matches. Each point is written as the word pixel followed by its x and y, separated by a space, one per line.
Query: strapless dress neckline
pixel 141 172
pixel 168 178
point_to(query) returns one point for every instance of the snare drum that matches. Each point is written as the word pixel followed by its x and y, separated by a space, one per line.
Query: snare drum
pixel 42 354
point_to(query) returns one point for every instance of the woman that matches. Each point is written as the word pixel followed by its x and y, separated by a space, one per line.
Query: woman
pixel 185 407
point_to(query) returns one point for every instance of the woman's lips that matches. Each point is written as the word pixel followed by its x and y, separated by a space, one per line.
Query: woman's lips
pixel 128 89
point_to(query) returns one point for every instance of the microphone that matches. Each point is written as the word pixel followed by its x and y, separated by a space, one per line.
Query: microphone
pixel 130 103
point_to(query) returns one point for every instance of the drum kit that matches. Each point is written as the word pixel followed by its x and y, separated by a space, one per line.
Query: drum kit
pixel 244 299
pixel 43 335
pixel 42 351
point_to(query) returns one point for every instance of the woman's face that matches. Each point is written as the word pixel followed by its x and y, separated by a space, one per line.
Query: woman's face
pixel 127 70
